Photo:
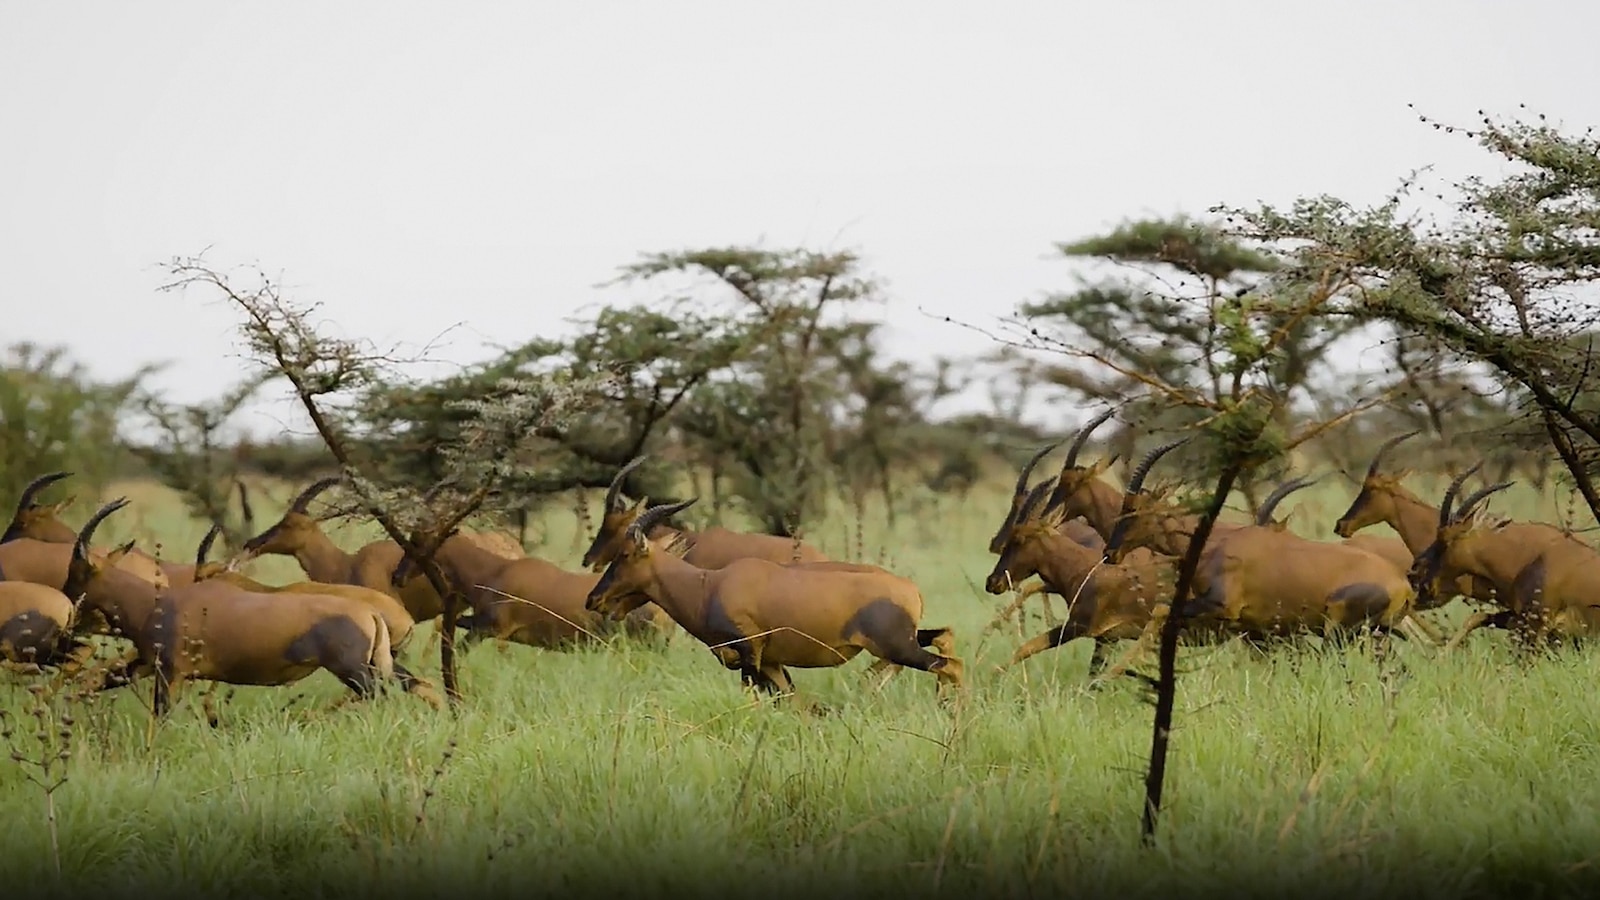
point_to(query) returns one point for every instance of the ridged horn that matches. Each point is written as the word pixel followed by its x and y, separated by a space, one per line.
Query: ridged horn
pixel 1270 505
pixel 655 514
pixel 80 547
pixel 1083 437
pixel 614 490
pixel 1470 502
pixel 303 500
pixel 1451 491
pixel 1385 447
pixel 204 550
pixel 37 485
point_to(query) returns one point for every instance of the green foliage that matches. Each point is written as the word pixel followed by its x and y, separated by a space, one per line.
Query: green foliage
pixel 1197 248
pixel 55 416
pixel 1498 287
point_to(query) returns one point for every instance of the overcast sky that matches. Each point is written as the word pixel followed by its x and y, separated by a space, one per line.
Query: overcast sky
pixel 413 166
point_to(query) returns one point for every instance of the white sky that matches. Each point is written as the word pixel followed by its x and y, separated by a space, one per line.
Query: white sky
pixel 413 166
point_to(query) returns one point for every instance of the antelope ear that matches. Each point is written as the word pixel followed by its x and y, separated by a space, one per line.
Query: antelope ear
pixel 1103 464
pixel 61 507
pixel 639 505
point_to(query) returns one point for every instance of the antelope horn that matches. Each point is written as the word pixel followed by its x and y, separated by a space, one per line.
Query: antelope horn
pixel 1136 480
pixel 1269 505
pixel 1451 491
pixel 1473 499
pixel 1385 447
pixel 1030 505
pixel 204 549
pixel 37 485
pixel 648 519
pixel 1119 532
pixel 80 547
pixel 300 502
pixel 614 490
pixel 1021 488
pixel 1083 437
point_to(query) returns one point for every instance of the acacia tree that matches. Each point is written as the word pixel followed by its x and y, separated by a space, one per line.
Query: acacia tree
pixel 344 384
pixel 1240 427
pixel 191 455
pixel 1504 283
pixel 54 416
pixel 771 411
pixel 1164 318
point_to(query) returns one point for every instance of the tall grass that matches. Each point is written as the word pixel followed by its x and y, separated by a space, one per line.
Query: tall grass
pixel 637 768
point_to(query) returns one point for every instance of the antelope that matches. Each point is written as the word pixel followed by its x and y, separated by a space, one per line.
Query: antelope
pixel 298 534
pixel 395 618
pixel 36 625
pixel 1080 491
pixel 1517 558
pixel 43 523
pixel 214 631
pixel 712 548
pixel 1383 499
pixel 1267 581
pixel 761 617
pixel 1108 601
pixel 526 601
pixel 1077 529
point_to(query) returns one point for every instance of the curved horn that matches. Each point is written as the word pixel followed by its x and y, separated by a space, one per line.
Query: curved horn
pixel 1031 503
pixel 1136 480
pixel 614 489
pixel 1473 499
pixel 1083 437
pixel 1021 488
pixel 1119 532
pixel 205 544
pixel 1270 505
pixel 1451 491
pixel 655 514
pixel 305 497
pixel 80 547
pixel 37 485
pixel 1385 447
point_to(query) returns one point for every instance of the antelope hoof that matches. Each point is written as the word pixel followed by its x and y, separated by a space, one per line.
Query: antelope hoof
pixel 424 691
pixel 945 644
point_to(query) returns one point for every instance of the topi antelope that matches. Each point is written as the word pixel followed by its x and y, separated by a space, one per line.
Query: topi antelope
pixel 525 601
pixel 214 631
pixel 1074 528
pixel 1107 601
pixel 1383 499
pixel 43 523
pixel 36 625
pixel 399 622
pixel 299 535
pixel 1266 581
pixel 1080 491
pixel 1517 558
pixel 760 617
pixel 712 548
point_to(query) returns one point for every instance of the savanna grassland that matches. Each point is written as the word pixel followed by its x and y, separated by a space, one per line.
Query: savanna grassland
pixel 645 768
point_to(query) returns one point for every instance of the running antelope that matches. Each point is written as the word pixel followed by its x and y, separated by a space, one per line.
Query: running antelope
pixel 760 617
pixel 712 548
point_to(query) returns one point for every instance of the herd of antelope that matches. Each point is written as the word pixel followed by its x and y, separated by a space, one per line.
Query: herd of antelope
pixel 765 604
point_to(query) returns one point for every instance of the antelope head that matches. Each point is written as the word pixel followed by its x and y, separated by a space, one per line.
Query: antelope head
pixel 1019 558
pixel 1072 491
pixel 1374 503
pixel 1455 527
pixel 1019 497
pixel 618 516
pixel 627 577
pixel 295 531
pixel 40 522
pixel 1141 521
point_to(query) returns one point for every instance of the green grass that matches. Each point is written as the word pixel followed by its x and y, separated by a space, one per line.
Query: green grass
pixel 1321 771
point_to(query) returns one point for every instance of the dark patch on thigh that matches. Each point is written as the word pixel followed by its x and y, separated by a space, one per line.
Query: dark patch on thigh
pixel 1363 597
pixel 1527 589
pixel 879 619
pixel 1214 598
pixel 333 638
pixel 30 629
